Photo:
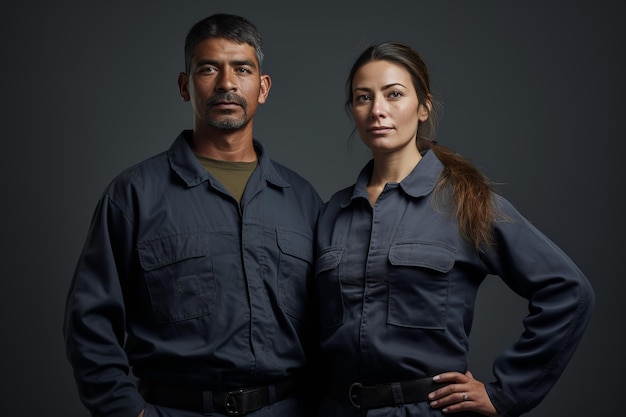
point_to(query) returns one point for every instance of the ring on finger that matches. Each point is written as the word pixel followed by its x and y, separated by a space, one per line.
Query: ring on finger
pixel 464 394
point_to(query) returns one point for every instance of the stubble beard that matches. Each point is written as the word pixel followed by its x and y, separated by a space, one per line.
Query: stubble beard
pixel 226 122
pixel 225 119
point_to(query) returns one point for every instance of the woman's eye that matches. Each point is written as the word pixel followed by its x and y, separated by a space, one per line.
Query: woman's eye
pixel 363 97
pixel 395 94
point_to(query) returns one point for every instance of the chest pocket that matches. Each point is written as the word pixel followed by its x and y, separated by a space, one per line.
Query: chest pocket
pixel 328 282
pixel 418 284
pixel 294 271
pixel 179 275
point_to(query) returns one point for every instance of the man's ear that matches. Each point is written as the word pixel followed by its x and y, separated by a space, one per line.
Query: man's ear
pixel 183 86
pixel 266 84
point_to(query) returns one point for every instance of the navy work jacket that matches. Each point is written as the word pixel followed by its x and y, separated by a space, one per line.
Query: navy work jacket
pixel 186 286
pixel 398 286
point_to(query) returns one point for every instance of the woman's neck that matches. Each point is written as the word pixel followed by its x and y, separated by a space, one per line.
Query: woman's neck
pixel 388 169
pixel 393 168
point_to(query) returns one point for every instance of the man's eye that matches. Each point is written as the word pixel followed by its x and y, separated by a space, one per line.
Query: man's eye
pixel 244 70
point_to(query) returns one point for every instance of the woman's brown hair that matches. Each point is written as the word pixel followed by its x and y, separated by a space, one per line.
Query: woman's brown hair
pixel 470 189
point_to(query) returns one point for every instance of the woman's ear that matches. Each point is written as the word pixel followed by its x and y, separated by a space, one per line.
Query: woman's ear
pixel 424 109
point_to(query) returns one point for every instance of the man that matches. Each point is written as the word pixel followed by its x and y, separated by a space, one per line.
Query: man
pixel 196 268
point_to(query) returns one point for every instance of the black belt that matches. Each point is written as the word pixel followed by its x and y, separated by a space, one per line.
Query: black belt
pixel 235 403
pixel 394 393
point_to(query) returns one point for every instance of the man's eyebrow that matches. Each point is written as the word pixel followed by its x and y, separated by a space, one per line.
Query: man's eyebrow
pixel 244 62
pixel 236 62
pixel 201 62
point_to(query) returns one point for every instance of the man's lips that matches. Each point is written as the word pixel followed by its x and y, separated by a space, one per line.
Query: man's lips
pixel 226 100
pixel 224 104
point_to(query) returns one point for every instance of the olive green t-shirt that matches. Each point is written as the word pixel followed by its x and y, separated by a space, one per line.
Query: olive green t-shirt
pixel 233 175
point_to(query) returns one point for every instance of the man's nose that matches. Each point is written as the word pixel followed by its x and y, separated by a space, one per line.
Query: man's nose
pixel 226 81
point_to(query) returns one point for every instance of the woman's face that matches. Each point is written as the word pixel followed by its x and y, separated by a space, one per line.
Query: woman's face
pixel 386 108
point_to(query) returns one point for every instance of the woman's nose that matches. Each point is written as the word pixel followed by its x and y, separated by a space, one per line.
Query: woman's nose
pixel 378 109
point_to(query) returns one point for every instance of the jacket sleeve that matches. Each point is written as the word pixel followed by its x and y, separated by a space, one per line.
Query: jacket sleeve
pixel 94 326
pixel 560 304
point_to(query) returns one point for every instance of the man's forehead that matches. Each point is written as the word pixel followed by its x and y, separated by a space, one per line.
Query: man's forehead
pixel 224 50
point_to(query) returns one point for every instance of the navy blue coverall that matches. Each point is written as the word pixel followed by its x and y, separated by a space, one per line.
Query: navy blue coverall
pixel 184 286
pixel 398 285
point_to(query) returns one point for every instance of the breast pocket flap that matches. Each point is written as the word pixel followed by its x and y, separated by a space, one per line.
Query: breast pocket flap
pixel 328 260
pixel 168 250
pixel 295 244
pixel 423 254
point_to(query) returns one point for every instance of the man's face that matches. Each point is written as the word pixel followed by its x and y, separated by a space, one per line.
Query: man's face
pixel 224 84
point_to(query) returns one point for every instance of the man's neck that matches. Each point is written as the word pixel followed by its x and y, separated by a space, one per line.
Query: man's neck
pixel 224 145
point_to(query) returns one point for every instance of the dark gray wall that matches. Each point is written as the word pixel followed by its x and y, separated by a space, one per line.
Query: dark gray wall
pixel 533 94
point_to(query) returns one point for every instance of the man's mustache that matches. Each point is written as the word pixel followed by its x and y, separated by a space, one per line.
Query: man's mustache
pixel 227 97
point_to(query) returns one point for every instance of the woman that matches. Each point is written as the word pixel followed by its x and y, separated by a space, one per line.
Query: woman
pixel 402 253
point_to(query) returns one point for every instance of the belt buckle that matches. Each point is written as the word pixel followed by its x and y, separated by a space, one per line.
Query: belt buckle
pixel 230 403
pixel 353 396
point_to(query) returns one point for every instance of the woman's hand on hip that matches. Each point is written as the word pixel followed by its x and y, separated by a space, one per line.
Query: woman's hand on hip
pixel 464 393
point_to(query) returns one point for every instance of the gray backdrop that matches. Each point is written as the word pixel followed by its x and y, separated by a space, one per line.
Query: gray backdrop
pixel 533 93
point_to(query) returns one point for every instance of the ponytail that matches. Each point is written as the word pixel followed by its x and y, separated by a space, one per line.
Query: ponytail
pixel 471 194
